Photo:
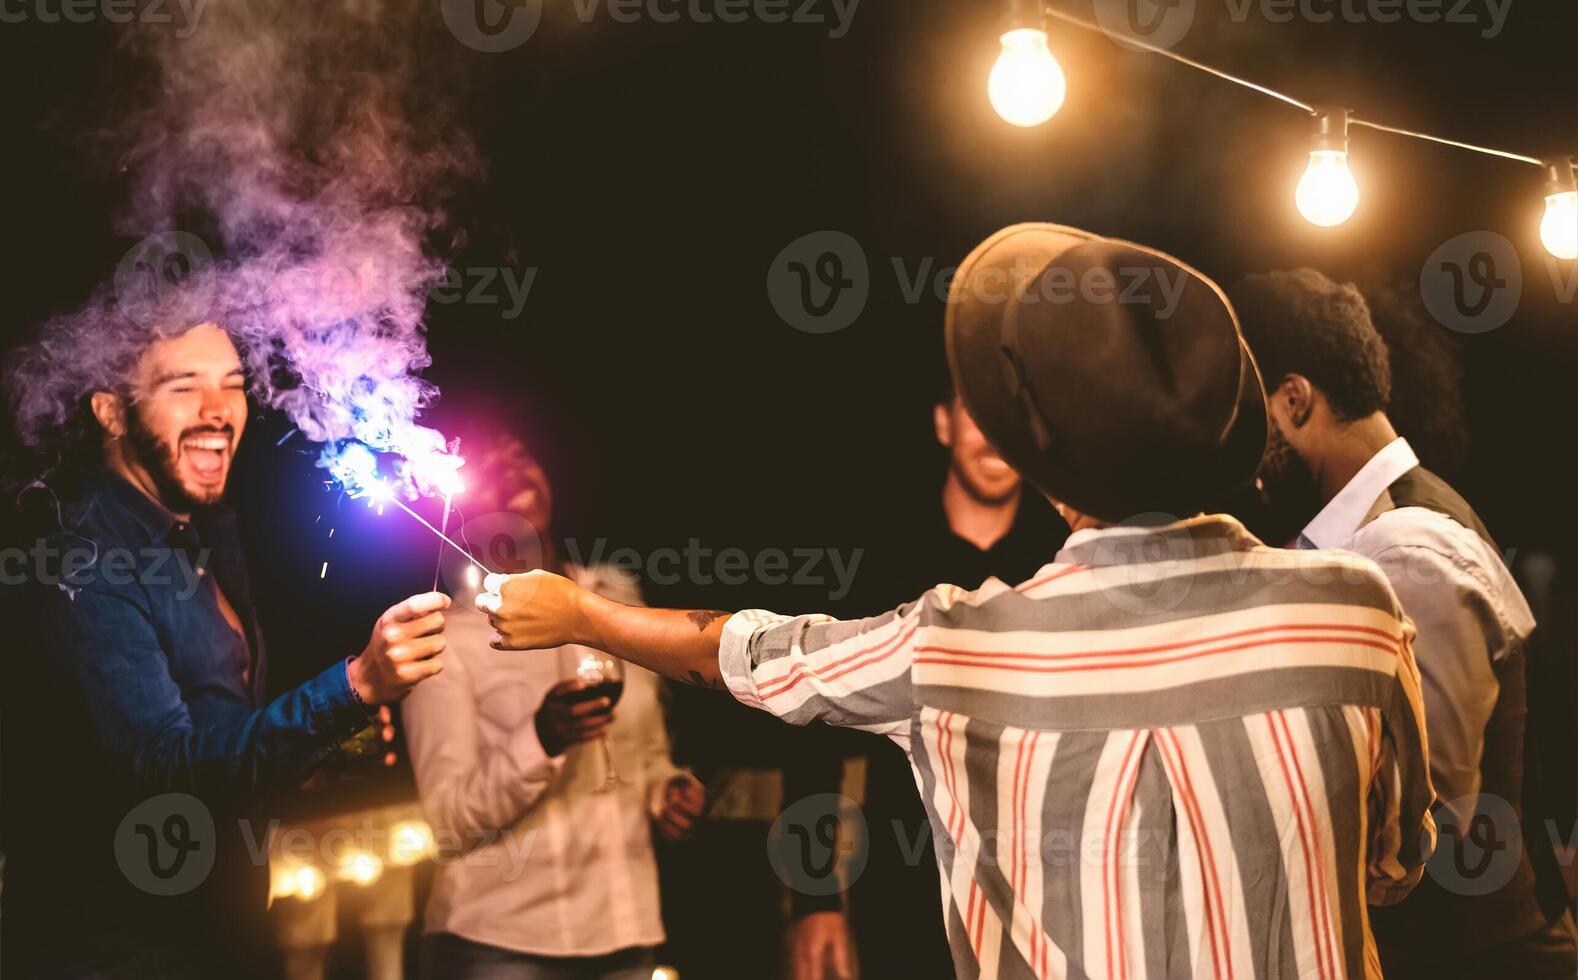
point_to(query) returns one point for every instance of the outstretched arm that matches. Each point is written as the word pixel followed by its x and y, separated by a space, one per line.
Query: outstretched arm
pixel 802 668
pixel 539 610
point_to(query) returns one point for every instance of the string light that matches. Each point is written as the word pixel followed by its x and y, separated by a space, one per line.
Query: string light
pixel 1559 230
pixel 1026 92
pixel 1027 86
pixel 410 841
pixel 303 881
pixel 362 867
pixel 1327 193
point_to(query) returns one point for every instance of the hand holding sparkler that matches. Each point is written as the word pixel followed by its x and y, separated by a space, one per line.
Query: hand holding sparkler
pixel 536 610
pixel 404 650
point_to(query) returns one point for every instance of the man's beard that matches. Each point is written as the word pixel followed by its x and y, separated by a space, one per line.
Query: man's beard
pixel 158 459
pixel 1289 490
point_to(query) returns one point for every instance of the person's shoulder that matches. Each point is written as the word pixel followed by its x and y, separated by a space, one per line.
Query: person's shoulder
pixel 1422 528
pixel 80 512
pixel 945 597
pixel 73 539
pixel 1331 576
pixel 1420 548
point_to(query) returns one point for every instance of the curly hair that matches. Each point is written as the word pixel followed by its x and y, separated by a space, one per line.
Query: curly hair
pixel 50 381
pixel 1427 376
pixel 1300 322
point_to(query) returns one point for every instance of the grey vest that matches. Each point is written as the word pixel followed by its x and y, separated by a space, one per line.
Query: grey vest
pixel 1473 896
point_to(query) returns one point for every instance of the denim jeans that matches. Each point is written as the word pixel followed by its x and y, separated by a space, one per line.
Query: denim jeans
pixel 446 956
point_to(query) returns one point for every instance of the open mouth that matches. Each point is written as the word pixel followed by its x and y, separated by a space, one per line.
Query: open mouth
pixel 206 455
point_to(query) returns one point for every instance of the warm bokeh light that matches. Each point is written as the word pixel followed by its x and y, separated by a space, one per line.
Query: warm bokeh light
pixel 410 841
pixel 1027 86
pixel 1559 230
pixel 303 881
pixel 362 868
pixel 1327 193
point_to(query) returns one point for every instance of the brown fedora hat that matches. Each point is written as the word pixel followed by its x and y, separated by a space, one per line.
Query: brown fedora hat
pixel 1112 376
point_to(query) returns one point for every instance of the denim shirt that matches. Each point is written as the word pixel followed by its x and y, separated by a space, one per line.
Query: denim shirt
pixel 126 682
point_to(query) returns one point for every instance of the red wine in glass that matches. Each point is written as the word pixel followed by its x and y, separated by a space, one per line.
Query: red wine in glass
pixel 600 676
pixel 610 689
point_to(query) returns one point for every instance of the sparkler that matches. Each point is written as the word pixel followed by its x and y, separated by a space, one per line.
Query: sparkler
pixel 449 497
pixel 355 467
pixel 441 535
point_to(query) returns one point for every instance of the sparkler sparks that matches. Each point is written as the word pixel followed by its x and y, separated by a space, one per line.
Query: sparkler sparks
pixel 355 467
pixel 441 535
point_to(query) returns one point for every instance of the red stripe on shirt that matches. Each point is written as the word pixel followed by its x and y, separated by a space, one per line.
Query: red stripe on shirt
pixel 1320 857
pixel 1309 872
pixel 1213 883
pixel 799 671
pixel 956 661
pixel 1109 874
pixel 1052 577
pixel 1164 647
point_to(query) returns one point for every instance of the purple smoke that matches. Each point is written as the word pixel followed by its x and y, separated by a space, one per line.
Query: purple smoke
pixel 293 134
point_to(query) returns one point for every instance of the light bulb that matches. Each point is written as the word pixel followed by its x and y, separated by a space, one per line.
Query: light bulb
pixel 1027 85
pixel 1559 230
pixel 1327 193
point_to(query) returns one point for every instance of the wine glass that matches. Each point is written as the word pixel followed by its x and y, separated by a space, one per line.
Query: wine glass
pixel 601 676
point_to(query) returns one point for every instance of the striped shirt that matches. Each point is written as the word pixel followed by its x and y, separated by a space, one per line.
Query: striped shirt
pixel 1174 752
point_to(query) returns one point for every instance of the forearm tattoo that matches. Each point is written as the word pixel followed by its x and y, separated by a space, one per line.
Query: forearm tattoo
pixel 697 680
pixel 704 617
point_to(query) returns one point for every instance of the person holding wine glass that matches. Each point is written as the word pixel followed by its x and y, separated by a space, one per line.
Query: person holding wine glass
pixel 546 865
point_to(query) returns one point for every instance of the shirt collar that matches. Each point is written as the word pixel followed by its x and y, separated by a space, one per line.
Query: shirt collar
pixel 1133 543
pixel 1340 519
pixel 110 489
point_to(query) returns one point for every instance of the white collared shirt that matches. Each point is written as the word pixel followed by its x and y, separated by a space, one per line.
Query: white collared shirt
pixel 1463 600
pixel 1342 516
pixel 546 865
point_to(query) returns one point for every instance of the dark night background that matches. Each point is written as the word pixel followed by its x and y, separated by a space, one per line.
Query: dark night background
pixel 651 172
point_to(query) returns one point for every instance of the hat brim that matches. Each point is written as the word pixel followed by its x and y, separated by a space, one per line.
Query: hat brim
pixel 982 377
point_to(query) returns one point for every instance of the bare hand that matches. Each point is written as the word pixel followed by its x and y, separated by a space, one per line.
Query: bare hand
pixel 562 721
pixel 817 941
pixel 534 610
pixel 404 650
pixel 684 797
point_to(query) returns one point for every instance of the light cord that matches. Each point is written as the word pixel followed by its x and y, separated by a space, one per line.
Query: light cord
pixel 1282 96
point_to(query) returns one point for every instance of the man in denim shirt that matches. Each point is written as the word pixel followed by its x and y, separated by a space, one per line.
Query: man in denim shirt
pixel 137 740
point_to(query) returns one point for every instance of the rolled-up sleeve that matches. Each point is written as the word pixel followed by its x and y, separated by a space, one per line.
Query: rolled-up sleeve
pixel 854 673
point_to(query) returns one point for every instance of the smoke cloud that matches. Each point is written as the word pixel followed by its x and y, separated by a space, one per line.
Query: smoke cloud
pixel 286 170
